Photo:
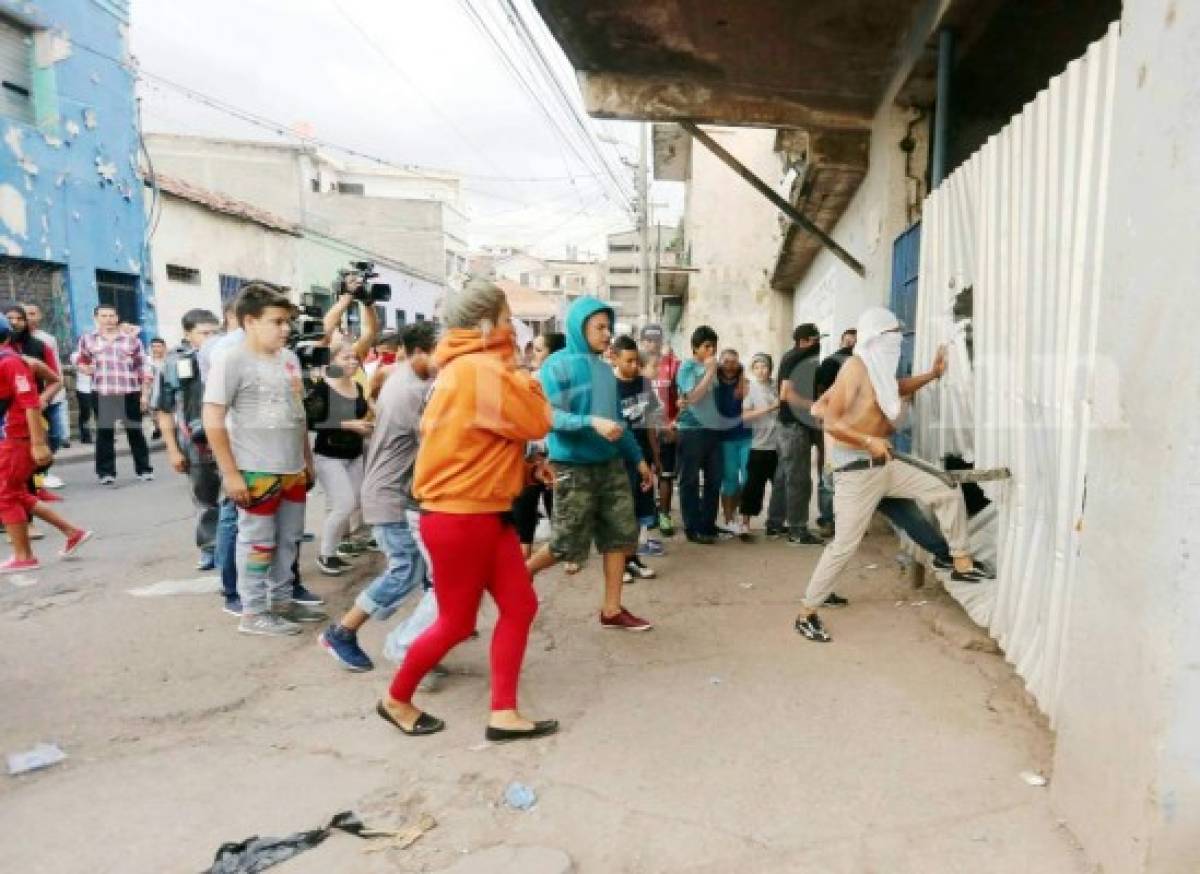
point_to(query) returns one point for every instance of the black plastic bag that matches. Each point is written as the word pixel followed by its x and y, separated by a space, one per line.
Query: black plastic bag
pixel 257 854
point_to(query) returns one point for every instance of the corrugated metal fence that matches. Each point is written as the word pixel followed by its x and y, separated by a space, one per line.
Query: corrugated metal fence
pixel 1010 257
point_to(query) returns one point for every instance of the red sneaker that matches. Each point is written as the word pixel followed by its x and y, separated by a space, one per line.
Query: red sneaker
pixel 16 566
pixel 76 540
pixel 625 621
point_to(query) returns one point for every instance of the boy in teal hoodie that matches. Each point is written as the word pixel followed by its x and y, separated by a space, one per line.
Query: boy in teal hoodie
pixel 588 446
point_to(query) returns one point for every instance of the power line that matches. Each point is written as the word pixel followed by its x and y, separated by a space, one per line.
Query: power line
pixel 528 86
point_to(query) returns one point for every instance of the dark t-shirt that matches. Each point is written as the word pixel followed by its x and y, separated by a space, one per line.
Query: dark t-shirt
pixel 827 373
pixel 799 367
pixel 327 409
pixel 639 409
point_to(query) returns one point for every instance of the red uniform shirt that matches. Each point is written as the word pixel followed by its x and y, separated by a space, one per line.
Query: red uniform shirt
pixel 663 381
pixel 18 389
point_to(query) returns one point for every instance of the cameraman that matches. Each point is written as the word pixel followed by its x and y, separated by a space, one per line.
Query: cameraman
pixel 349 286
pixel 178 407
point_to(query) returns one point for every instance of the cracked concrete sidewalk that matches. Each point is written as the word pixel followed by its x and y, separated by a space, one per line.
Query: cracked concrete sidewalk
pixel 719 742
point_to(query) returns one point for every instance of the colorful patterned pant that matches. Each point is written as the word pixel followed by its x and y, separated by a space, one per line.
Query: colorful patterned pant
pixel 268 538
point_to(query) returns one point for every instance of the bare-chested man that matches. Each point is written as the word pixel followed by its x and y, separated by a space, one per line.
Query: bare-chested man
pixel 860 413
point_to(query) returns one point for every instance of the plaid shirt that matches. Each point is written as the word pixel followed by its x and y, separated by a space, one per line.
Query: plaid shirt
pixel 120 362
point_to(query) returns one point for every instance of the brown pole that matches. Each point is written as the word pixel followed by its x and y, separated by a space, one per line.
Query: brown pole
pixel 770 194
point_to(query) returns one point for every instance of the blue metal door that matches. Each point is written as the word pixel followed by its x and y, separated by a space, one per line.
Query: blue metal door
pixel 906 262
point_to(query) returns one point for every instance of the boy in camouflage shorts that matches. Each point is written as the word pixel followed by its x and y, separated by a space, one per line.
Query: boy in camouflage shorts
pixel 592 498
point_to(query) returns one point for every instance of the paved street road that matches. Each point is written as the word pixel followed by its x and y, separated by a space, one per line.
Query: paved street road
pixel 719 742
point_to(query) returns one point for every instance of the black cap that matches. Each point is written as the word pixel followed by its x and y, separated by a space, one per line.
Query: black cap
pixel 652 332
pixel 807 331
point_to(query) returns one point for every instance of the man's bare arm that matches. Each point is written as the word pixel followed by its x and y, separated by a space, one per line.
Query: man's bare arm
pixel 910 385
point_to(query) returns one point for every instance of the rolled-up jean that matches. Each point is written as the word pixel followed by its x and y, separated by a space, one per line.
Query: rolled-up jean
pixel 406 569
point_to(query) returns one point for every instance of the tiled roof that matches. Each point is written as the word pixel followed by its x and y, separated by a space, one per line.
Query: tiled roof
pixel 222 203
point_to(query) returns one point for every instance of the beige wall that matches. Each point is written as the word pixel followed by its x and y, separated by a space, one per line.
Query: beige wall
pixel 831 294
pixel 192 236
pixel 733 235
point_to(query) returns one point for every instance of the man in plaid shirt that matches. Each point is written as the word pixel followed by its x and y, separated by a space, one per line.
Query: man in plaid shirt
pixel 121 380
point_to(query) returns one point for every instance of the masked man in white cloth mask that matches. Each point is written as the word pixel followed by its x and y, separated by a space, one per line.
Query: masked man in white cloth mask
pixel 862 410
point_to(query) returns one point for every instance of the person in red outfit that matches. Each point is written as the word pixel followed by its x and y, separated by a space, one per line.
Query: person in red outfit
pixel 24 449
pixel 482 411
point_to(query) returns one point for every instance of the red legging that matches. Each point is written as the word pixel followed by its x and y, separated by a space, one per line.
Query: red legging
pixel 470 554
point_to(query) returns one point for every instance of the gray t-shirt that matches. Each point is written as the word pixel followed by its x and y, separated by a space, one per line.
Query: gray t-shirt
pixel 264 401
pixel 766 428
pixel 392 454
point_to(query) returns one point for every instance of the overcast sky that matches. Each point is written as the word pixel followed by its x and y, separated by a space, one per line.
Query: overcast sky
pixel 410 81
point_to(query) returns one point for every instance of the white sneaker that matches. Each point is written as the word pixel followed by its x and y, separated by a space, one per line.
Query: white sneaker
pixel 50 481
pixel 268 624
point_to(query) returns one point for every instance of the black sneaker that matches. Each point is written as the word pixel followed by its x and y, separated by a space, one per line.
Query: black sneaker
pixel 332 565
pixel 810 626
pixel 702 539
pixel 639 570
pixel 774 531
pixel 977 574
pixel 303 596
pixel 805 538
pixel 943 564
pixel 835 600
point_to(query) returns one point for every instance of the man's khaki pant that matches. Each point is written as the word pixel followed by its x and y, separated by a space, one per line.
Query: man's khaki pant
pixel 856 495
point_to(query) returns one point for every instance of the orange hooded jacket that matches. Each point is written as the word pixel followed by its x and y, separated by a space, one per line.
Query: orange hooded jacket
pixel 481 413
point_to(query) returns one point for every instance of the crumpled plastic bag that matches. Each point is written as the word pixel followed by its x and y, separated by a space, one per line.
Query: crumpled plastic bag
pixel 257 854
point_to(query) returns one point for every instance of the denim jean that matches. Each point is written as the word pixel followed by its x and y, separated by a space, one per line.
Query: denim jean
pixel 907 515
pixel 795 475
pixel 226 546
pixel 395 648
pixel 405 569
pixel 825 498
pixel 56 416
pixel 700 456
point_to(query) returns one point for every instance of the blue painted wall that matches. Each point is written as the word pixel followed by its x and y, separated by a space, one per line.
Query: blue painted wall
pixel 75 168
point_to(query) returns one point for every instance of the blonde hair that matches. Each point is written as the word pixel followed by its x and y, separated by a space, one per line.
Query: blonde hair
pixel 477 305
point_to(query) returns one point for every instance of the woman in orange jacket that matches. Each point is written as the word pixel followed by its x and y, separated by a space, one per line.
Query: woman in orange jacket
pixel 482 411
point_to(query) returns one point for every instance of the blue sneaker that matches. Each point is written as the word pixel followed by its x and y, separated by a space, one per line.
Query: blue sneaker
pixel 343 646
pixel 207 562
pixel 233 606
pixel 651 548
pixel 303 596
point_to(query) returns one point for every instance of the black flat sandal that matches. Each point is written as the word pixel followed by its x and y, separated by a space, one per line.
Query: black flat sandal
pixel 544 728
pixel 425 723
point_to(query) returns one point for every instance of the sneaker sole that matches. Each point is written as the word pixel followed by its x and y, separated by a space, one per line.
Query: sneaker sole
pixel 256 633
pixel 335 572
pixel 325 645
pixel 20 570
pixel 231 611
pixel 67 553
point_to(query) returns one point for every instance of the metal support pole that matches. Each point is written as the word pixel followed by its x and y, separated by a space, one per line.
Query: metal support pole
pixel 941 111
pixel 770 194
pixel 644 223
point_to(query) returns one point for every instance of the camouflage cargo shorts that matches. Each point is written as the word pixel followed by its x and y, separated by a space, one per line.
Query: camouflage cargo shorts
pixel 592 503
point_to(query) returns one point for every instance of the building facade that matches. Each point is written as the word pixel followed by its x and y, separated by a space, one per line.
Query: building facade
pixel 72 224
pixel 623 267
pixel 345 212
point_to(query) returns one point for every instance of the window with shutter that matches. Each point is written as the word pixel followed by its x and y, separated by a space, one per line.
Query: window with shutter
pixel 16 45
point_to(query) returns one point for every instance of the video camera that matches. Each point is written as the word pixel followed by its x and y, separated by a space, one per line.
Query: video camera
pixel 307 330
pixel 365 291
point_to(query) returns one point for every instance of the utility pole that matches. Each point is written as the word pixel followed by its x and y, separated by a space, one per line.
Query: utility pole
pixel 643 219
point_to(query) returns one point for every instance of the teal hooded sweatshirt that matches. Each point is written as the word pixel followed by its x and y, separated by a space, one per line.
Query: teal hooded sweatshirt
pixel 580 385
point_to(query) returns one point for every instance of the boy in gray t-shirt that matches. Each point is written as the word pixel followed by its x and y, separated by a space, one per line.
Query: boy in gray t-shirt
pixel 254 419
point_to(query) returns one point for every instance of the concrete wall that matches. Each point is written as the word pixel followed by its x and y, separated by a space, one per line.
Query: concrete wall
pixel 69 190
pixel 833 296
pixel 733 236
pixel 264 175
pixel 409 231
pixel 1127 768
pixel 192 236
